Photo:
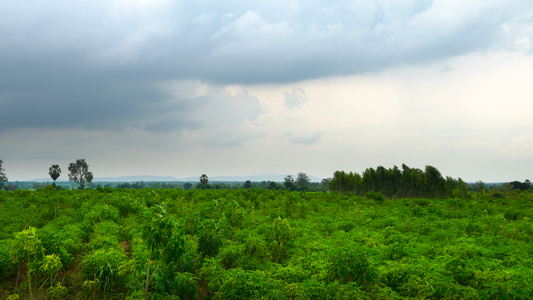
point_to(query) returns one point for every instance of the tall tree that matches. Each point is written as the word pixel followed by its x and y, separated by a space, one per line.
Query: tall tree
pixel 369 180
pixel 478 186
pixel 354 183
pixel 54 172
pixel 302 181
pixel 325 184
pixel 289 182
pixel 79 173
pixel 338 182
pixel 204 180
pixel 3 177
pixel 436 184
pixel 247 184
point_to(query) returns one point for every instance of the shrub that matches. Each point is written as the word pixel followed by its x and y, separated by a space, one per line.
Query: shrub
pixel 230 255
pixel 512 214
pixel 350 264
pixel 102 266
pixel 376 196
pixel 209 244
pixel 249 285
pixel 56 292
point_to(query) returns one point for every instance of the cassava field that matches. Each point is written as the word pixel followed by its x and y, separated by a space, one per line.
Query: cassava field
pixel 262 244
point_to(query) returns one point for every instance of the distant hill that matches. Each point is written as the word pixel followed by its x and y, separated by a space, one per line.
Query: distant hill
pixel 148 178
pixel 253 178
pixel 135 178
pixel 117 179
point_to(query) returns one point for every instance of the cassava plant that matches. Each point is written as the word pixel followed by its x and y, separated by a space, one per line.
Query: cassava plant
pixel 164 241
pixel 27 247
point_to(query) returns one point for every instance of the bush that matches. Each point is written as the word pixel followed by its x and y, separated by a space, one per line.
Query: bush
pixel 512 214
pixel 102 266
pixel 187 285
pixel 249 285
pixel 7 267
pixel 350 264
pixel 376 196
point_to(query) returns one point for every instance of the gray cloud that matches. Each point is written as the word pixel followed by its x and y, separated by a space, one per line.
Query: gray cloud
pixel 99 64
pixel 254 42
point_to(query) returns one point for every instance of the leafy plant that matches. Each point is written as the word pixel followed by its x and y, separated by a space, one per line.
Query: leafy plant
pixel 27 247
pixel 351 264
pixel 163 239
pixel 209 243
pixel 102 267
pixel 280 236
pixel 56 291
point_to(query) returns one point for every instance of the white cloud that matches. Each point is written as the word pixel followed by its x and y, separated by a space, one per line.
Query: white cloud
pixel 307 138
pixel 295 98
pixel 520 147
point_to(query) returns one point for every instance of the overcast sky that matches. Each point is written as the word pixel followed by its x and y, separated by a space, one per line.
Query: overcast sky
pixel 181 88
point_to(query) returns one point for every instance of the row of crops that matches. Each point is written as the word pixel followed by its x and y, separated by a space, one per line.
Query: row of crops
pixel 252 244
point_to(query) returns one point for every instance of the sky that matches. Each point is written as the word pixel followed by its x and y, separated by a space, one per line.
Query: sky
pixel 241 88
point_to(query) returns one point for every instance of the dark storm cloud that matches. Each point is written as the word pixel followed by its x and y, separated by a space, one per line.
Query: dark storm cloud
pixel 63 96
pixel 99 64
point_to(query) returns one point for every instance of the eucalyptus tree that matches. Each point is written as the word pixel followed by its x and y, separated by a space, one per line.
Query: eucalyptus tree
pixel 54 172
pixel 436 184
pixel 79 173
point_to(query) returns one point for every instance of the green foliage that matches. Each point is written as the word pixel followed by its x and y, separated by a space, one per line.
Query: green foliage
pixel 209 244
pixel 376 196
pixel 240 284
pixel 6 262
pixel 396 183
pixel 270 244
pixel 280 238
pixel 56 292
pixel 79 173
pixel 351 264
pixel 27 247
pixel 204 180
pixel 512 214
pixel 54 172
pixel 102 266
pixel 186 285
pixel 50 266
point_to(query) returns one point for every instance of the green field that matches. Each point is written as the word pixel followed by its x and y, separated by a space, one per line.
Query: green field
pixel 263 244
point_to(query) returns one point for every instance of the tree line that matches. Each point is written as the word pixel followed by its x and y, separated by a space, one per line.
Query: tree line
pixel 78 172
pixel 399 183
pixel 390 183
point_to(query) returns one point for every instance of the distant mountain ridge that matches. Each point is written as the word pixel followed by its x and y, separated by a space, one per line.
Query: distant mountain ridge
pixel 135 178
pixel 147 178
pixel 116 179
pixel 253 178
